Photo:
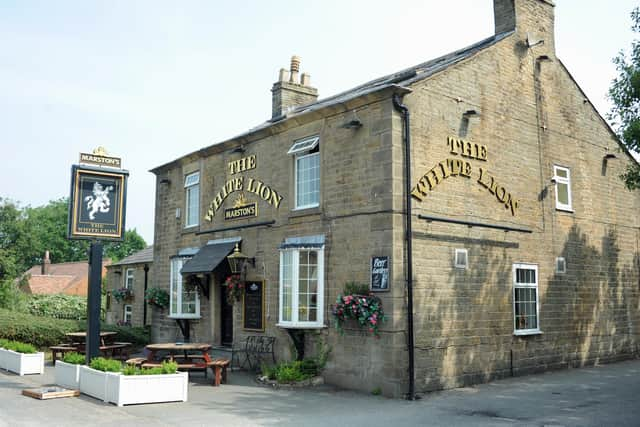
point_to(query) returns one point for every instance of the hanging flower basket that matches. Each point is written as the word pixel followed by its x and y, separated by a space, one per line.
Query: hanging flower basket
pixel 157 297
pixel 365 309
pixel 123 294
pixel 235 288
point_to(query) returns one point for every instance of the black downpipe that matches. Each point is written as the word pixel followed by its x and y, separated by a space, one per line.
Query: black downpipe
pixel 407 183
pixel 144 304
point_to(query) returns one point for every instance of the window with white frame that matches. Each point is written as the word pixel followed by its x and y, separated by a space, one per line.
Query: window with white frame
pixel 301 287
pixel 127 313
pixel 460 258
pixel 129 278
pixel 184 301
pixel 307 172
pixel 561 265
pixel 192 199
pixel 562 178
pixel 525 299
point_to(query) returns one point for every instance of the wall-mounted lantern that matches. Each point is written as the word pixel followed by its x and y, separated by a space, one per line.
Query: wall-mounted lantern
pixel 238 260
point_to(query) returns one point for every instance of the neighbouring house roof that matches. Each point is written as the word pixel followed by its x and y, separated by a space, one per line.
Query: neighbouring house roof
pixel 70 278
pixel 399 79
pixel 141 257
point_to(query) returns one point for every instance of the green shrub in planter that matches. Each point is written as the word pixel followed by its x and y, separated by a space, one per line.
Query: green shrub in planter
pixel 105 365
pixel 3 343
pixel 74 358
pixel 166 368
pixel 20 347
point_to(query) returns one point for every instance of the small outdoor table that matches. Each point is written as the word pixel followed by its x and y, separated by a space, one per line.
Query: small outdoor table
pixel 81 337
pixel 107 347
pixel 182 349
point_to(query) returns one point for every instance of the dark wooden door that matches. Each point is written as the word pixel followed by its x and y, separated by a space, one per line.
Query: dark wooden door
pixel 226 319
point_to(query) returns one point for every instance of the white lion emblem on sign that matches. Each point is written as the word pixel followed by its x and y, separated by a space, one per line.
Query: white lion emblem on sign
pixel 99 202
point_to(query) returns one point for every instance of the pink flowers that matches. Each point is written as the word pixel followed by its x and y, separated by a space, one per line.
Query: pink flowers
pixel 365 309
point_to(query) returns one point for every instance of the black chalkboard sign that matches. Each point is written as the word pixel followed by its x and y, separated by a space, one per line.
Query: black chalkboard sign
pixel 379 273
pixel 253 306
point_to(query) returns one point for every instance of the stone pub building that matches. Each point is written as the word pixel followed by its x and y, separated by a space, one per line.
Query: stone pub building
pixel 512 246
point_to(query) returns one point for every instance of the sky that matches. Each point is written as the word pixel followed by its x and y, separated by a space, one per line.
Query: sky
pixel 153 80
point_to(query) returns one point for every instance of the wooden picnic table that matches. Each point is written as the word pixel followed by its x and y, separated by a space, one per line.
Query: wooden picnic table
pixel 107 347
pixel 188 356
pixel 106 337
pixel 181 351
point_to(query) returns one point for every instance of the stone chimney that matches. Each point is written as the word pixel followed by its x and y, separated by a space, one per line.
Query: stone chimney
pixel 291 90
pixel 46 264
pixel 533 21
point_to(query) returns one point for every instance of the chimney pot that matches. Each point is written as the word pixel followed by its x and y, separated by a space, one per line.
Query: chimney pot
pixel 295 69
pixel 295 63
pixel 284 75
pixel 289 92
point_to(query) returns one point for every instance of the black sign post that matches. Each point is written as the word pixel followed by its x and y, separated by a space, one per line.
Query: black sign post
pixel 93 301
pixel 96 212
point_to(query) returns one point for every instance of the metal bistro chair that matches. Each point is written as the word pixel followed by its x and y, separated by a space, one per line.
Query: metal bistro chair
pixel 253 351
pixel 264 348
pixel 247 349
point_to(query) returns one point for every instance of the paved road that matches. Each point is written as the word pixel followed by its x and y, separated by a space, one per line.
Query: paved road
pixel 600 396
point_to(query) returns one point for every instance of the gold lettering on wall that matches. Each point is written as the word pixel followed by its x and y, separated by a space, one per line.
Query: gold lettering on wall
pixel 467 148
pixel 454 167
pixel 242 165
pixel 235 184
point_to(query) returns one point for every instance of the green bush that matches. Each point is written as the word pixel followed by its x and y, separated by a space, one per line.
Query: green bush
pixel 44 332
pixel 106 365
pixel 166 368
pixel 3 343
pixel 18 347
pixel 74 358
pixel 288 372
pixel 58 306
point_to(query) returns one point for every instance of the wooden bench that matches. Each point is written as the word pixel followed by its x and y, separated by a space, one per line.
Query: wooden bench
pixel 58 351
pixel 181 366
pixel 115 351
pixel 219 367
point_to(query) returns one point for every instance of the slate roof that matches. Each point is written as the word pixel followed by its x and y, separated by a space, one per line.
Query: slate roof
pixel 401 78
pixel 141 257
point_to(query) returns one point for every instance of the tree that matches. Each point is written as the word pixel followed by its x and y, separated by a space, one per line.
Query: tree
pixel 26 233
pixel 625 95
pixel 132 242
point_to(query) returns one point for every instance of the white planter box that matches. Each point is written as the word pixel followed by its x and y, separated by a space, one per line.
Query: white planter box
pixel 3 364
pixel 134 389
pixel 94 383
pixel 22 364
pixel 67 375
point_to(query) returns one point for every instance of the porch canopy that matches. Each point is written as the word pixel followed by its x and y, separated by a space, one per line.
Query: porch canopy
pixel 209 257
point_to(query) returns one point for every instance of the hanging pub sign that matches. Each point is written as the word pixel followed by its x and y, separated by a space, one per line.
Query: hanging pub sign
pixel 97 203
pixel 253 306
pixel 379 273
